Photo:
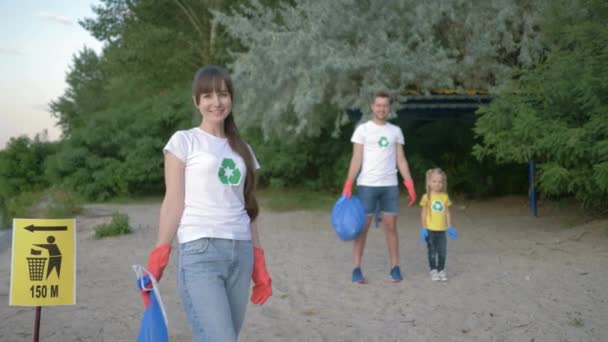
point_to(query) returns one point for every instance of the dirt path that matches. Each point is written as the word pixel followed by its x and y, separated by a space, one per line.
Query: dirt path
pixel 512 278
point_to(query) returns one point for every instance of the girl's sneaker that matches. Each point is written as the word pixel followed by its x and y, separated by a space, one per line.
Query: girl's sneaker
pixel 434 275
pixel 442 276
pixel 358 276
pixel 396 274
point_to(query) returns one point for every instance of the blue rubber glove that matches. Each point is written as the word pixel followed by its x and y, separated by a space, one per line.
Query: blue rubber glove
pixel 424 234
pixel 452 233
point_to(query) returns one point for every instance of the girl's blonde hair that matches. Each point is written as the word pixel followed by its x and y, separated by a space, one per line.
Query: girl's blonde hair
pixel 436 171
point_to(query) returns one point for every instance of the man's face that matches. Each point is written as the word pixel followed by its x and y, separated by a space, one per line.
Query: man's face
pixel 381 107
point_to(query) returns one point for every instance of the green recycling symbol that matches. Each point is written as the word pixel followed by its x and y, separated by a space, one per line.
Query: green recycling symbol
pixel 228 173
pixel 437 206
pixel 383 142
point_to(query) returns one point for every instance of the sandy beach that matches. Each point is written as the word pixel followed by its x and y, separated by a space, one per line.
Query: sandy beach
pixel 512 277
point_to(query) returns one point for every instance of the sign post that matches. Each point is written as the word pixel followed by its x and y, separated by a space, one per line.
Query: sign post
pixel 43 264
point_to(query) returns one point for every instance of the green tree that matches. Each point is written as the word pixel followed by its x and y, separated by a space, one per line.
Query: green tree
pixel 297 67
pixel 555 112
pixel 304 65
pixel 158 43
pixel 121 107
pixel 84 94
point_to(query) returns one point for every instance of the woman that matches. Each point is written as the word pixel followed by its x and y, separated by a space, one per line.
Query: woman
pixel 210 204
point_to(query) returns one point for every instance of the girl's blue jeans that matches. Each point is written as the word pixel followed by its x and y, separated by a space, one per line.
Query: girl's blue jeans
pixel 213 280
pixel 436 247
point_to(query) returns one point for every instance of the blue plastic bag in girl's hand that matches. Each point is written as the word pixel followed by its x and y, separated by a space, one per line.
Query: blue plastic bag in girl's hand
pixel 153 326
pixel 348 218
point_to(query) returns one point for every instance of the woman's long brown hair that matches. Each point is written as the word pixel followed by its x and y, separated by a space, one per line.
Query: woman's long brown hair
pixel 214 78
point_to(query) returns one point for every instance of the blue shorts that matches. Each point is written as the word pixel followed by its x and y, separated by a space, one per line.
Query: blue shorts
pixel 385 197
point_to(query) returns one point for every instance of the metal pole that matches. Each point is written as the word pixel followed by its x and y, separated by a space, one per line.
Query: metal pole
pixel 532 191
pixel 37 323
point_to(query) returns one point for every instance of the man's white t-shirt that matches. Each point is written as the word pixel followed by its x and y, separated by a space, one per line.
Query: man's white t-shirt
pixel 379 166
pixel 214 203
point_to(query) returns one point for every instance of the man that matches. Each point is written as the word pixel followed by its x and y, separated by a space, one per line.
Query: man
pixel 378 153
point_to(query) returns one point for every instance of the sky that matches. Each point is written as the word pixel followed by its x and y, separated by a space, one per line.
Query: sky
pixel 38 39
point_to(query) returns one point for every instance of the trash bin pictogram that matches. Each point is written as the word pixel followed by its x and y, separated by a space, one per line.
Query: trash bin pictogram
pixel 36 268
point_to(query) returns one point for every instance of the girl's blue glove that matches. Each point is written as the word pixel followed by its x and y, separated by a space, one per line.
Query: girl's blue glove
pixel 452 233
pixel 424 234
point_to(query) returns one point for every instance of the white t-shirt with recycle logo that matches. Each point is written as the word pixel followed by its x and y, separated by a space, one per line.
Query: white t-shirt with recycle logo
pixel 379 166
pixel 214 203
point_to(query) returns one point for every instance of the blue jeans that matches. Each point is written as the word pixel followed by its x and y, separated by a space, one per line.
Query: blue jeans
pixel 213 280
pixel 385 198
pixel 436 246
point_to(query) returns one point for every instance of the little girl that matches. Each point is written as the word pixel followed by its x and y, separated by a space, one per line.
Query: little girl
pixel 436 220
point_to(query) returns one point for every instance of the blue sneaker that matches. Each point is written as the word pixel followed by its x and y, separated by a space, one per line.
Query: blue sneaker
pixel 396 274
pixel 358 276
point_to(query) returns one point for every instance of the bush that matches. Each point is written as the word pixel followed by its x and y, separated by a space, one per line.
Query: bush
pixel 62 204
pixel 51 203
pixel 318 163
pixel 118 226
pixel 19 206
pixel 555 112
pixel 22 175
pixel 118 153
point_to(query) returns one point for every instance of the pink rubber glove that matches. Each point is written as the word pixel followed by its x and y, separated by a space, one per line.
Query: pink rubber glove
pixel 262 288
pixel 348 188
pixel 409 184
pixel 157 261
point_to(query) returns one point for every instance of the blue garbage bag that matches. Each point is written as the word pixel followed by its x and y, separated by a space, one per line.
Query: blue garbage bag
pixel 154 322
pixel 348 218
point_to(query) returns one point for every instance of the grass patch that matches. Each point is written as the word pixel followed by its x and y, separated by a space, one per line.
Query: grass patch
pixel 281 200
pixel 118 226
pixel 577 322
pixel 575 319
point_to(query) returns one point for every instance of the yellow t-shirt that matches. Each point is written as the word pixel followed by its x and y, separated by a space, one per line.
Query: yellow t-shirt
pixel 436 218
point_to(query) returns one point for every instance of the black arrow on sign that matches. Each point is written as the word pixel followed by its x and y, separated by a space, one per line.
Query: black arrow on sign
pixel 33 228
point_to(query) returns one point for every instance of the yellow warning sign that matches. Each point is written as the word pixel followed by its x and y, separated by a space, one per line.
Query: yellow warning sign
pixel 43 269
